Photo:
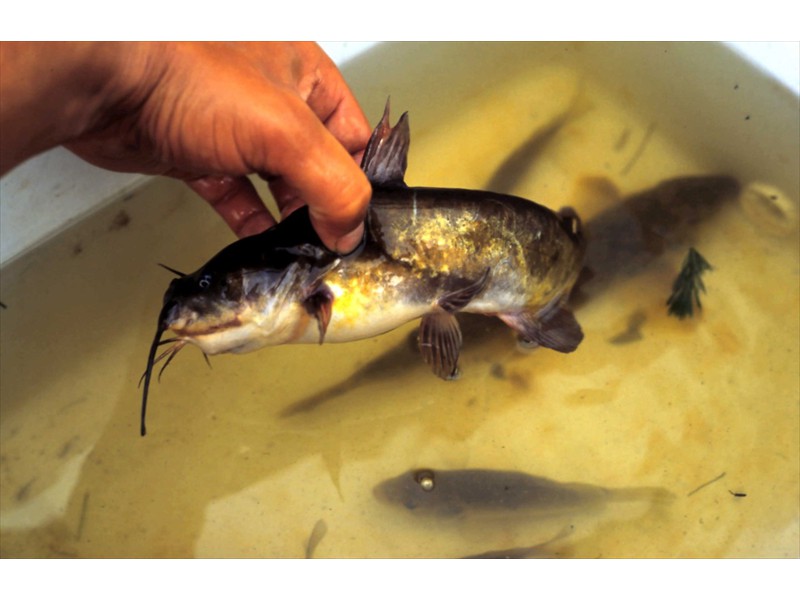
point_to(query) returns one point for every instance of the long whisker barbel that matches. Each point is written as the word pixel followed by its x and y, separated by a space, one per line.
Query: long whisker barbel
pixel 152 360
pixel 171 270
pixel 170 354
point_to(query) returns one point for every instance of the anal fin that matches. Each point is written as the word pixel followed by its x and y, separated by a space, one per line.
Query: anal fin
pixel 440 343
pixel 554 328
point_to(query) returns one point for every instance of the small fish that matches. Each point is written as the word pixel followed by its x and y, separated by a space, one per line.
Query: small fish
pixel 481 492
pixel 688 285
pixel 535 551
pixel 319 531
pixel 427 252
pixel 510 171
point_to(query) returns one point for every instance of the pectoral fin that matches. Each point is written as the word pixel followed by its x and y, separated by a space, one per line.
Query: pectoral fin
pixel 440 343
pixel 458 299
pixel 319 304
pixel 554 328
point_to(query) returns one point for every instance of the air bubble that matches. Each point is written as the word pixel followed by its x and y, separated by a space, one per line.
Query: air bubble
pixel 425 480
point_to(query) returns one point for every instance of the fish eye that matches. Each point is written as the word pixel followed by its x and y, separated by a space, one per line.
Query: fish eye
pixel 205 281
pixel 425 480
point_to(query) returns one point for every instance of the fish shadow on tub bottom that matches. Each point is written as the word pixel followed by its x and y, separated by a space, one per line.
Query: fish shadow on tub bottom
pixel 403 361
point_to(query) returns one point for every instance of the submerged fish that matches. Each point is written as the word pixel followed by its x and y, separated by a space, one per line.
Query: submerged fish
pixel 627 238
pixel 482 492
pixel 540 550
pixel 427 252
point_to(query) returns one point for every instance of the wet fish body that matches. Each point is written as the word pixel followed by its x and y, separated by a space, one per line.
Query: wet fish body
pixel 443 250
pixel 621 242
pixel 427 252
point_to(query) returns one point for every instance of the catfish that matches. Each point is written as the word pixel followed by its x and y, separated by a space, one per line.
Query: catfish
pixel 426 253
pixel 481 493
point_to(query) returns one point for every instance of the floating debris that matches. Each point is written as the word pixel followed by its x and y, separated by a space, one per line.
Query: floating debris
pixel 707 483
pixel 637 154
pixel 688 285
pixel 121 220
pixel 769 209
pixel 498 371
pixel 633 332
pixel 82 517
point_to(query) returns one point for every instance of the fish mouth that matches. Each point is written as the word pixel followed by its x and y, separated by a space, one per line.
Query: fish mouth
pixel 187 332
pixel 184 334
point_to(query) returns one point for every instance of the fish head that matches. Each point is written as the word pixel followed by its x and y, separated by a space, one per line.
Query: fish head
pixel 241 309
pixel 417 490
pixel 225 311
pixel 252 293
pixel 206 308
pixel 261 290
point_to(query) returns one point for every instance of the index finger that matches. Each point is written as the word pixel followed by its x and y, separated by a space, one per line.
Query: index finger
pixel 236 200
pixel 316 164
pixel 326 92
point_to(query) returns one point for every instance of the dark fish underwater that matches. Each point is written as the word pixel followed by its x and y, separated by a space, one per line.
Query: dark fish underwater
pixel 483 493
pixel 427 252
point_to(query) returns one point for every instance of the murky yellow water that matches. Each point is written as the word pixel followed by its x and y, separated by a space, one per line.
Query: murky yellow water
pixel 244 459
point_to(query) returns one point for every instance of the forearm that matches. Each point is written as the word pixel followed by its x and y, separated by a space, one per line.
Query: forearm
pixel 53 92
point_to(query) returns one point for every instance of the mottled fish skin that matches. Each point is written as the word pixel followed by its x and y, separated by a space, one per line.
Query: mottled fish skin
pixel 444 493
pixel 427 252
pixel 423 243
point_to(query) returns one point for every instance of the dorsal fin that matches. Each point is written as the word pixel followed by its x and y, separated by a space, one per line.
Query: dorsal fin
pixel 385 158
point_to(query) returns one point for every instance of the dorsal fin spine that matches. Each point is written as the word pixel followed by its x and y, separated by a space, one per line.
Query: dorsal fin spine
pixel 385 158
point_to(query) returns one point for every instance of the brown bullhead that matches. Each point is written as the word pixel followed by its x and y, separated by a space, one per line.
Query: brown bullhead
pixel 426 252
pixel 482 492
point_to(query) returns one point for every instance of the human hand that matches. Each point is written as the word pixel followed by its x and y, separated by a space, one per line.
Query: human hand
pixel 212 113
